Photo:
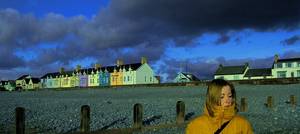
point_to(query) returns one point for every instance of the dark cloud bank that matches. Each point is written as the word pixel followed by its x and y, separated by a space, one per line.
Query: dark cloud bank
pixel 139 26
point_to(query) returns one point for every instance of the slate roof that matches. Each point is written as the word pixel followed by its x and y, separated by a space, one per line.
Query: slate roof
pixel 230 70
pixel 22 77
pixel 259 72
pixel 288 60
pixel 34 80
pixel 190 76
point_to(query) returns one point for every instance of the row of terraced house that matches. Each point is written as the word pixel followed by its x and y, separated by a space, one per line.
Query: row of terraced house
pixel 119 74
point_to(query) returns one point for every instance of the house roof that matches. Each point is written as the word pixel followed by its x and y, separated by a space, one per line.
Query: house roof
pixel 259 72
pixel 34 80
pixel 110 69
pixel 229 70
pixel 288 60
pixel 190 76
pixel 22 77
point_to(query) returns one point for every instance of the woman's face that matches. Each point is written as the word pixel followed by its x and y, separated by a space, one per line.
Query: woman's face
pixel 226 96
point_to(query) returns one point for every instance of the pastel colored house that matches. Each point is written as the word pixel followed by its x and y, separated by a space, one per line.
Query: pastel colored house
pixel 60 80
pixel 144 74
pixel 185 77
pixel 129 73
pixel 50 80
pixel 116 77
pixel 83 78
pixel 9 85
pixel 67 79
pixel 260 73
pixel 104 76
pixel 19 82
pixel 94 76
pixel 31 83
pixel 286 68
pixel 231 72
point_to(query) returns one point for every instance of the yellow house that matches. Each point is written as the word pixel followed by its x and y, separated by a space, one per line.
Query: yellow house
pixel 20 84
pixel 31 83
pixel 66 80
pixel 116 77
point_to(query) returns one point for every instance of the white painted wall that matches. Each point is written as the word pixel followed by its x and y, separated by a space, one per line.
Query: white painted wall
pixel 145 75
pixel 289 70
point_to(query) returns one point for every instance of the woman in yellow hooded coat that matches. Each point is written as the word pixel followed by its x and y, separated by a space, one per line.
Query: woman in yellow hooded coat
pixel 220 112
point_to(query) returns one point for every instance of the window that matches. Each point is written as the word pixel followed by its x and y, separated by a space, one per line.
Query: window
pixel 281 74
pixel 298 73
pixel 65 81
pixel 92 81
pixel 298 64
pixel 279 65
pixel 150 79
pixel 128 78
pixel 289 64
pixel 145 78
pixel 124 78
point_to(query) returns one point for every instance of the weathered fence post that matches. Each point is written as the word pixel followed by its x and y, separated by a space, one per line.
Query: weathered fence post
pixel 293 100
pixel 85 119
pixel 20 120
pixel 180 110
pixel 137 115
pixel 270 102
pixel 244 105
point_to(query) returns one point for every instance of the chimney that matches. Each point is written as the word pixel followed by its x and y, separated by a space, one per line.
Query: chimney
pixel 143 60
pixel 61 70
pixel 97 66
pixel 276 58
pixel 220 66
pixel 246 64
pixel 78 67
pixel 119 62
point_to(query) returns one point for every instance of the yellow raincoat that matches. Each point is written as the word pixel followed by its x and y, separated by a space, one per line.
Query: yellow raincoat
pixel 206 124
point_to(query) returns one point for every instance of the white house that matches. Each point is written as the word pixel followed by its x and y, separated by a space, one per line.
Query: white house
pixel 231 72
pixel 286 68
pixel 145 74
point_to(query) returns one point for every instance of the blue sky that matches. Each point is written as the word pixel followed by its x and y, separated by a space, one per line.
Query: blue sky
pixel 37 37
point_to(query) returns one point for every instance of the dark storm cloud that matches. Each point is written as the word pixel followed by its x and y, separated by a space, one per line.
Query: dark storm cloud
pixel 292 40
pixel 9 60
pixel 140 25
pixel 222 39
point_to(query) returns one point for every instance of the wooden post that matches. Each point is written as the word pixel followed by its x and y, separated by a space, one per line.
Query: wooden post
pixel 244 105
pixel 180 110
pixel 270 102
pixel 137 115
pixel 20 120
pixel 85 119
pixel 293 100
